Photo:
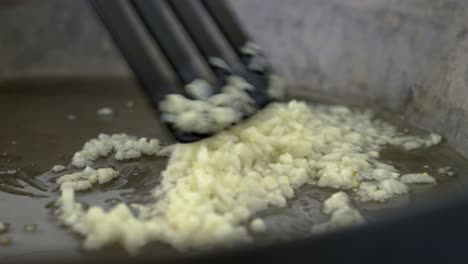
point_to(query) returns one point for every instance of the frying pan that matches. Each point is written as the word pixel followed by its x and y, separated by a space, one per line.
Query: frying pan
pixel 408 59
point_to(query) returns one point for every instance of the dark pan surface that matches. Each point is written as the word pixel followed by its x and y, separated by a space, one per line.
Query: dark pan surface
pixel 36 133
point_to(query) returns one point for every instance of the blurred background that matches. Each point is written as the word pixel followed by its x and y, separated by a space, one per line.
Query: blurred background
pixel 408 56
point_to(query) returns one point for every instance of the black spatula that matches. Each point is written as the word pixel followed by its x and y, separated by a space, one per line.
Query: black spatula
pixel 172 44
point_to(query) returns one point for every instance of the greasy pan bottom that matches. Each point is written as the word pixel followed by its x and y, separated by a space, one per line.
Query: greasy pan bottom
pixel 37 132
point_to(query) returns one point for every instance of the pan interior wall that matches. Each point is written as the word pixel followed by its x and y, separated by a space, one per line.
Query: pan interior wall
pixel 408 56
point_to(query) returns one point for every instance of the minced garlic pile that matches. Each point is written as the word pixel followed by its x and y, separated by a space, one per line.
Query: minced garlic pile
pixel 85 179
pixel 207 113
pixel 211 189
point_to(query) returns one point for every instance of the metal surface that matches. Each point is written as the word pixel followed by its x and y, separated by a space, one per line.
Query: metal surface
pixel 407 56
pixel 37 134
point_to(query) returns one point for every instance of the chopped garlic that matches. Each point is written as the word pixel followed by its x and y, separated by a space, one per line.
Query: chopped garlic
pixel 219 63
pixel 104 111
pixel 413 142
pixel 435 139
pixel 250 48
pixel 445 171
pixel 123 146
pixel 211 188
pixel 57 168
pixel 417 178
pixel 117 225
pixel 257 225
pixel 85 179
pixel 381 191
pixel 338 206
pixel 199 89
pixel 208 114
pixel 336 201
